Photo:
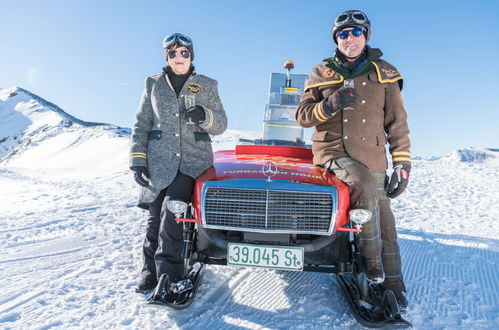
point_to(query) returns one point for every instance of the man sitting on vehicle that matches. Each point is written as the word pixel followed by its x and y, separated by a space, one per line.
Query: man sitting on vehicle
pixel 352 99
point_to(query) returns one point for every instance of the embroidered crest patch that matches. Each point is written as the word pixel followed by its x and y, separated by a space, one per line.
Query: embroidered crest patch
pixel 194 88
pixel 390 73
pixel 328 73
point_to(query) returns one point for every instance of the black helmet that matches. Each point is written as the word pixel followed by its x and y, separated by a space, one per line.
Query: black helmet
pixel 181 39
pixel 351 18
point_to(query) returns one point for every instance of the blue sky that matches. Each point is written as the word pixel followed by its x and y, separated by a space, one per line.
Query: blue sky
pixel 91 57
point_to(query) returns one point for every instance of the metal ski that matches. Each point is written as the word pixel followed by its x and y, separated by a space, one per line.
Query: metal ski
pixel 383 311
pixel 185 298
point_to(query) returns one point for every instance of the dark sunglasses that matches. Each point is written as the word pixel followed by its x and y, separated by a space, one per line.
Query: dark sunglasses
pixel 357 16
pixel 177 37
pixel 356 32
pixel 173 53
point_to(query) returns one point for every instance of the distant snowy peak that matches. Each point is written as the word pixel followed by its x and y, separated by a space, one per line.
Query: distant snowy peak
pixel 27 119
pixel 472 155
pixel 33 107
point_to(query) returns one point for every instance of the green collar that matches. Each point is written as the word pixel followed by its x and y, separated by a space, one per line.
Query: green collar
pixel 335 66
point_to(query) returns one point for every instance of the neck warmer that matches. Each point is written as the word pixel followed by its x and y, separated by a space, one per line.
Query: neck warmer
pixel 177 80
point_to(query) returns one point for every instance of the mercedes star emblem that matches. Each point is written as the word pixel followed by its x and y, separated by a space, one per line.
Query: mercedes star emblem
pixel 269 170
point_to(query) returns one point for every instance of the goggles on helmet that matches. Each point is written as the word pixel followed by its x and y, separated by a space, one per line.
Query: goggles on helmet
pixel 356 16
pixel 356 32
pixel 177 37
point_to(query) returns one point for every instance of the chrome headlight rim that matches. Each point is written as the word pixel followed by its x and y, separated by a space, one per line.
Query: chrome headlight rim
pixel 176 207
pixel 360 216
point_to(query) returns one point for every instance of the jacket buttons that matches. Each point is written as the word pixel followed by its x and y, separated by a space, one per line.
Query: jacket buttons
pixel 362 138
pixel 181 96
pixel 345 137
pixel 176 115
pixel 176 134
pixel 364 83
pixel 363 101
pixel 177 154
pixel 363 120
pixel 345 120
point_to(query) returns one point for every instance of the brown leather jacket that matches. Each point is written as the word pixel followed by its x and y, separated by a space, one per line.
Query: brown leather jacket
pixel 377 116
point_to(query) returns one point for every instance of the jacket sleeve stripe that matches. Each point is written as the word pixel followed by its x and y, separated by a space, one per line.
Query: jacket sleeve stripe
pixel 401 159
pixel 318 112
pixel 210 119
pixel 401 153
pixel 138 156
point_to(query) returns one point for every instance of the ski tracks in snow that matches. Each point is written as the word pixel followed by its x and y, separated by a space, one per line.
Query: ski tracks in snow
pixel 71 255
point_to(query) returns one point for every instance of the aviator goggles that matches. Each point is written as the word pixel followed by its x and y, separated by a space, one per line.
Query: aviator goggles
pixel 173 53
pixel 177 37
pixel 356 16
pixel 356 32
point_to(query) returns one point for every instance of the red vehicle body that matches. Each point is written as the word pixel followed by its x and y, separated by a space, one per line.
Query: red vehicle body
pixel 289 173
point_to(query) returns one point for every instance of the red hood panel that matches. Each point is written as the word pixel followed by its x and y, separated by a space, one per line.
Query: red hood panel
pixel 249 163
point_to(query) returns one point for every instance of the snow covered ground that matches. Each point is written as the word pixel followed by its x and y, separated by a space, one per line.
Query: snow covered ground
pixel 70 245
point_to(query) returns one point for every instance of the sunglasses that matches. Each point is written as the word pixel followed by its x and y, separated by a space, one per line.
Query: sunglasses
pixel 356 32
pixel 173 53
pixel 177 37
pixel 356 16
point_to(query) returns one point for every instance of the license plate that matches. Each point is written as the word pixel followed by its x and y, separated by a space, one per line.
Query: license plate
pixel 276 257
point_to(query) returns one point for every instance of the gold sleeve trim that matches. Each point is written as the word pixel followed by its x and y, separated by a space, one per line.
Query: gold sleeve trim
pixel 326 83
pixel 210 119
pixel 401 153
pixel 401 159
pixel 318 112
pixel 138 155
pixel 385 80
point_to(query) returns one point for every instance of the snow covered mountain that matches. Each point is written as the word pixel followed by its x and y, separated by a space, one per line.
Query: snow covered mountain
pixel 70 250
pixel 37 134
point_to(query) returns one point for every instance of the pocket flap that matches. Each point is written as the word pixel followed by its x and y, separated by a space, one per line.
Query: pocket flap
pixel 201 136
pixel 154 135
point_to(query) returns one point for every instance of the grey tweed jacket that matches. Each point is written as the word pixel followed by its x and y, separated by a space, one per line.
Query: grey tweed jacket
pixel 161 138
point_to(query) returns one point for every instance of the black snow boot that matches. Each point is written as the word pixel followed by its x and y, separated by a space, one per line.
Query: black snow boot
pixel 162 292
pixel 398 290
pixel 373 268
pixel 146 285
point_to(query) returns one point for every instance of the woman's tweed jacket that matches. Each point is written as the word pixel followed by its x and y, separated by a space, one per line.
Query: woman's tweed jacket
pixel 161 139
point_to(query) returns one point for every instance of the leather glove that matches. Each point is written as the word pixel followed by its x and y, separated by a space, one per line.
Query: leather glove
pixel 196 114
pixel 340 99
pixel 398 180
pixel 141 175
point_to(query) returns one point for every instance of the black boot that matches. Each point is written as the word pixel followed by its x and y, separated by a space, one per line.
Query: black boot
pixel 398 290
pixel 162 291
pixel 373 268
pixel 146 285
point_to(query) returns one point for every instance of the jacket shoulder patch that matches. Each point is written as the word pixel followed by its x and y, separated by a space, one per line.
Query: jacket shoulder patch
pixel 327 73
pixel 386 72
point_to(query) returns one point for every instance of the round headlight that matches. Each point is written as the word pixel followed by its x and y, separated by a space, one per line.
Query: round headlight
pixel 176 207
pixel 360 216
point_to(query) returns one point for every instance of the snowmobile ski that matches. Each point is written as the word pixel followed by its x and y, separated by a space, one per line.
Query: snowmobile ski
pixel 185 298
pixel 384 310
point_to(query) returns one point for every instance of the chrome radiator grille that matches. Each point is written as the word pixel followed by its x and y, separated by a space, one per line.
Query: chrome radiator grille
pixel 265 210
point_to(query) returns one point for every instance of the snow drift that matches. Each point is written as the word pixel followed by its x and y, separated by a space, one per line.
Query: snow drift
pixel 70 250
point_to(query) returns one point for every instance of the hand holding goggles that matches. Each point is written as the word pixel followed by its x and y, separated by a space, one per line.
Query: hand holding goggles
pixel 356 32
pixel 177 37
pixel 355 16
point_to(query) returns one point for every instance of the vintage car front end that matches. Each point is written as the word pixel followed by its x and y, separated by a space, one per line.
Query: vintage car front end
pixel 268 206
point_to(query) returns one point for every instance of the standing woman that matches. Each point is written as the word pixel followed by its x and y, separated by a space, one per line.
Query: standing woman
pixel 170 148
